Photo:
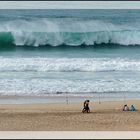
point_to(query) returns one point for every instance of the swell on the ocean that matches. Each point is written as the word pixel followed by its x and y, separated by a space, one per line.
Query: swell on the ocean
pixel 70 39
pixel 70 32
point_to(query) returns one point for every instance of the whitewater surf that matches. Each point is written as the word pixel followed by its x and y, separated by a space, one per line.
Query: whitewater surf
pixel 73 52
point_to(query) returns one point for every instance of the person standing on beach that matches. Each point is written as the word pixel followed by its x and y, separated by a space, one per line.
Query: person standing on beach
pixel 86 107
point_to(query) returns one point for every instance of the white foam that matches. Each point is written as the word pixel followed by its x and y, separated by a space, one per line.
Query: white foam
pixel 41 87
pixel 70 31
pixel 17 76
pixel 68 64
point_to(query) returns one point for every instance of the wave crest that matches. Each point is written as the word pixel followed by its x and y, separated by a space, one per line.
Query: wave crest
pixel 73 32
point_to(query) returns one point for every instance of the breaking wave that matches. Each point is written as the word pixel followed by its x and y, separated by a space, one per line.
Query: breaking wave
pixel 73 32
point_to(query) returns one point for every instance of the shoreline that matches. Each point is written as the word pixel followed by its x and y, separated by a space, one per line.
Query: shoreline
pixel 106 116
pixel 65 99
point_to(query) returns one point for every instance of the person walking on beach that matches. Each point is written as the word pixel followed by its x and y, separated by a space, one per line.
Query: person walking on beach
pixel 86 106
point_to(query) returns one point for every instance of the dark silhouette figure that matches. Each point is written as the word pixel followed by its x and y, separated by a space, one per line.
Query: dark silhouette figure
pixel 86 106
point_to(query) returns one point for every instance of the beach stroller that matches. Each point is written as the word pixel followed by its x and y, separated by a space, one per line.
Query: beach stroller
pixel 86 106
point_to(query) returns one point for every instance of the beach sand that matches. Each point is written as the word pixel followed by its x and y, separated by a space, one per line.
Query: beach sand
pixel 68 117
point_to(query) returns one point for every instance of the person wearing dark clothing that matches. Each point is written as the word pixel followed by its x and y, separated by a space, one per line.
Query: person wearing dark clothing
pixel 86 107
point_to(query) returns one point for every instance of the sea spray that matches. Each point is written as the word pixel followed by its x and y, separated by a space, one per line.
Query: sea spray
pixel 72 32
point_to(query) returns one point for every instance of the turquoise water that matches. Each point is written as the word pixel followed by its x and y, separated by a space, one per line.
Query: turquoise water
pixel 78 52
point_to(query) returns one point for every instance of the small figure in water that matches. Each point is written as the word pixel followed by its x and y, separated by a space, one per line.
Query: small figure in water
pixel 86 106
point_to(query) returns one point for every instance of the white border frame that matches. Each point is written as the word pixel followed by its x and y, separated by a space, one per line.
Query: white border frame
pixel 69 134
pixel 70 5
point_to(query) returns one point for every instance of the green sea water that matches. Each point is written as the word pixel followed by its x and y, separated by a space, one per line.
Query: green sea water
pixel 74 52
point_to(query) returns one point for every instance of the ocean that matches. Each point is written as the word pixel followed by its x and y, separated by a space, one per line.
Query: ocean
pixel 74 52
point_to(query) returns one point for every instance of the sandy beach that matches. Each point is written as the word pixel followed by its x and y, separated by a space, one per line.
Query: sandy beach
pixel 68 117
pixel 52 60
